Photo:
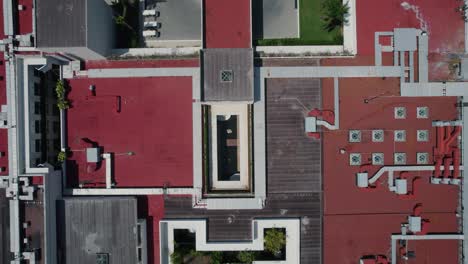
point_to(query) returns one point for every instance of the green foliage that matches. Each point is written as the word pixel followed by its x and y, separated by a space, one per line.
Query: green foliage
pixel 246 257
pixel 335 14
pixel 216 257
pixel 60 90
pixel 119 20
pixel 177 257
pixel 62 156
pixel 275 240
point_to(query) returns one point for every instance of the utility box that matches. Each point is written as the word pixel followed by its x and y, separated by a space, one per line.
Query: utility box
pixel 310 124
pixel 405 39
pixel 414 223
pixel 401 186
pixel 363 180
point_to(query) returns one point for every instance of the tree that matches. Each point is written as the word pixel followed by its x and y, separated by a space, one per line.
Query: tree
pixel 120 18
pixel 275 240
pixel 335 14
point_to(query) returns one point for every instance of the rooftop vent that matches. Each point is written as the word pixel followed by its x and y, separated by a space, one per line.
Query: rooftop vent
pixel 226 76
pixel 102 258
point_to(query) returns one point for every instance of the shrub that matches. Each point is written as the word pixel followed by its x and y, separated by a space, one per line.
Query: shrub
pixel 335 14
pixel 275 240
pixel 216 257
pixel 60 90
pixel 246 257
pixel 62 156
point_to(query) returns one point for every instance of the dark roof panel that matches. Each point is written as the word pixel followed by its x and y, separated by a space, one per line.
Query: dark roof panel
pixel 61 23
pixel 98 225
pixel 237 61
pixel 4 228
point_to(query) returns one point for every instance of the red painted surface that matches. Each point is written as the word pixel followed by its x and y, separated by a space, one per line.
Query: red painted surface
pixel 445 25
pixel 228 24
pixel 152 209
pixel 445 28
pixel 112 64
pixel 347 238
pixel 339 176
pixel 155 123
pixel 3 132
pixel 25 17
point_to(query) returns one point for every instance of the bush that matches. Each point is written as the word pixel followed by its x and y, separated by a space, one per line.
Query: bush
pixel 62 156
pixel 216 257
pixel 60 90
pixel 336 14
pixel 275 240
pixel 246 257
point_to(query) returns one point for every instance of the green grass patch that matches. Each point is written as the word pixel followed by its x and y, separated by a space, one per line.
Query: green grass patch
pixel 312 28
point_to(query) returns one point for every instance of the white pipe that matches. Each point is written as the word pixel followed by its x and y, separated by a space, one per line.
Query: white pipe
pixel 395 238
pixel 130 191
pixel 392 169
pixel 108 158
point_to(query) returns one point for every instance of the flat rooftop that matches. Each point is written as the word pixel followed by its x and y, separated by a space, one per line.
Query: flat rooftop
pixel 154 125
pixel 227 24
pixel 90 225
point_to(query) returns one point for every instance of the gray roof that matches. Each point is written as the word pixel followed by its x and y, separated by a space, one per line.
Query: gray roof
pixel 240 62
pixel 294 160
pixel 4 228
pixel 61 23
pixel 98 225
pixel 293 173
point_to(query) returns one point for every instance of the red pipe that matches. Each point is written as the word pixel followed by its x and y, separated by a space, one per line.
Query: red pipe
pixel 417 209
pixel 452 137
pixel 315 112
pixel 438 163
pixel 447 163
pixel 456 162
pixel 440 142
pixel 424 227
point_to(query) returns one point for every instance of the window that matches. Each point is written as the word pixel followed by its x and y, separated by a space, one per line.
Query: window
pixel 38 161
pixel 56 127
pixel 37 108
pixel 38 145
pixel 226 76
pixel 55 109
pixel 37 91
pixel 37 126
pixel 56 143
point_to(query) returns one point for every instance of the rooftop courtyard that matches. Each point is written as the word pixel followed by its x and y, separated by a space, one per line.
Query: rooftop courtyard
pixel 145 122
